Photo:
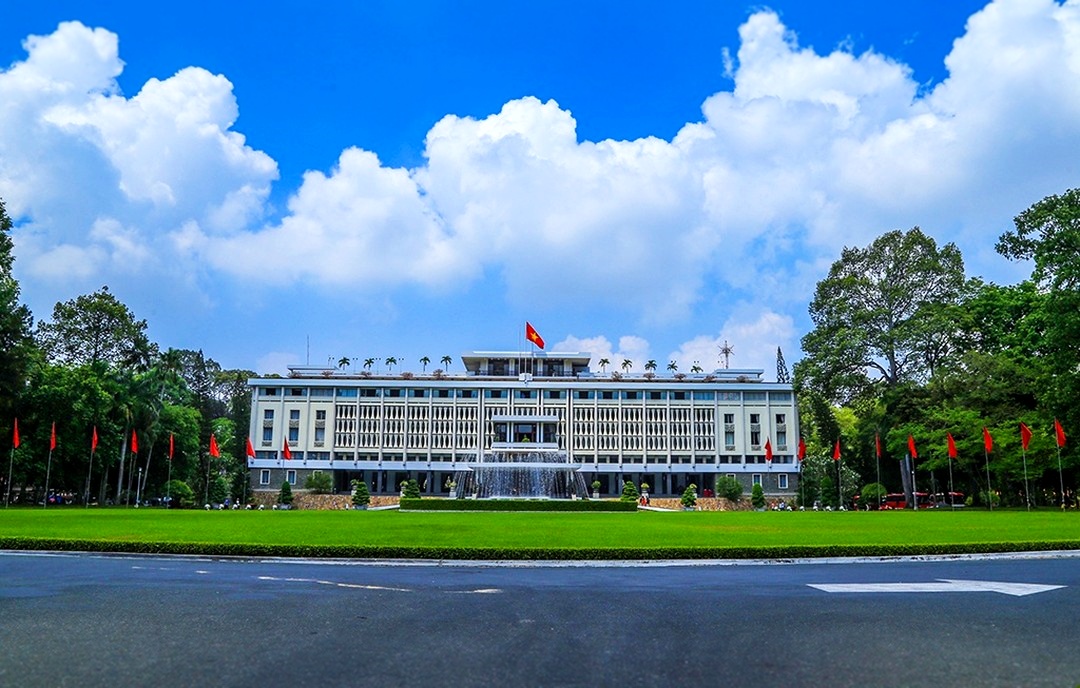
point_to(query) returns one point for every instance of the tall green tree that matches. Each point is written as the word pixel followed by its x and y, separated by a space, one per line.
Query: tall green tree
pixel 16 343
pixel 879 316
pixel 95 328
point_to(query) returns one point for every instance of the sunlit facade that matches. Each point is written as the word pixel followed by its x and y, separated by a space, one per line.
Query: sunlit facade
pixel 667 430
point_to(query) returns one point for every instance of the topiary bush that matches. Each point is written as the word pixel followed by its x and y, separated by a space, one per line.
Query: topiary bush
pixel 629 492
pixel 689 497
pixel 757 496
pixel 285 496
pixel 729 488
pixel 411 490
pixel 361 496
pixel 871 495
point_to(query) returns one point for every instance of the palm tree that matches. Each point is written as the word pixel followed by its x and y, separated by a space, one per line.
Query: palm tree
pixel 344 362
pixel 627 364
pixel 673 367
pixel 390 362
pixel 424 361
pixel 696 368
pixel 604 363
pixel 651 365
pixel 446 361
pixel 368 362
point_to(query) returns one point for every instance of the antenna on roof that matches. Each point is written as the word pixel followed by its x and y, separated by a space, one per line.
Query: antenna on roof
pixel 727 351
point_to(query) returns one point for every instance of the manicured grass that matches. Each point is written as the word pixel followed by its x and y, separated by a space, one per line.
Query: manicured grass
pixel 537 535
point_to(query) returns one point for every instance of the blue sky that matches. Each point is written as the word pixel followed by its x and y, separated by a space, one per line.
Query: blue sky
pixel 278 183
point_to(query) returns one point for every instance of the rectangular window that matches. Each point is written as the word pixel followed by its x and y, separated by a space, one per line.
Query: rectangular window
pixel 607 395
pixel 264 476
pixel 781 481
pixel 493 394
pixel 523 394
pixel 729 438
pixel 346 391
pixel 443 393
pixel 729 418
pixel 467 393
pixel 730 396
pixel 392 392
pixel 780 396
pixel 320 415
pixel 704 396
pixel 757 479
pixel 320 435
pixel 755 418
pixel 322 391
pixel 419 393
pixel 583 395
pixel 294 435
pixel 754 396
pixel 297 392
pixel 678 396
pixel 630 395
pixel 269 391
pixel 780 418
pixel 268 414
pixel 657 395
pixel 268 434
pixel 553 394
pixel 369 392
pixel 290 475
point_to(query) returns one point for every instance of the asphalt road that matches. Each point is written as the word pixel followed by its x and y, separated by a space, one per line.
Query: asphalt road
pixel 92 620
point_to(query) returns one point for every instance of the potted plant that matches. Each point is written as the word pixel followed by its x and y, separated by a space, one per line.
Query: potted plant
pixel 645 489
pixel 360 497
pixel 596 489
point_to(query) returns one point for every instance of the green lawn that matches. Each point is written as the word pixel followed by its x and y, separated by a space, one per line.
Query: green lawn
pixel 537 535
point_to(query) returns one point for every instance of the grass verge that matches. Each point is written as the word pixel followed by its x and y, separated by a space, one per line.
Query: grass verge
pixel 534 536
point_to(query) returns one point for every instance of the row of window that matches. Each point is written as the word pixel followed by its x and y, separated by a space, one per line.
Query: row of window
pixel 423 393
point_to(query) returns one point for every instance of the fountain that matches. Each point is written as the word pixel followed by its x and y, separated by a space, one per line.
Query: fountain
pixel 543 474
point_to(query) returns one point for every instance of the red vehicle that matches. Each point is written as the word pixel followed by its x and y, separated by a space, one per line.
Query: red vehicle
pixel 948 500
pixel 897 500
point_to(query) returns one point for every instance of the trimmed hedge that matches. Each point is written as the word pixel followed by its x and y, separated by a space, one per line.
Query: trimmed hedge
pixel 524 554
pixel 514 505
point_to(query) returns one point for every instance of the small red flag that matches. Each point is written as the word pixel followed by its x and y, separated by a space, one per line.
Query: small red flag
pixel 15 437
pixel 802 449
pixel 214 451
pixel 1025 435
pixel 250 450
pixel 533 336
pixel 768 451
pixel 52 437
pixel 952 445
pixel 1059 433
pixel 911 447
pixel 877 444
pixel 172 446
pixel 285 447
pixel 836 451
pixel 134 443
pixel 988 441
pixel 93 441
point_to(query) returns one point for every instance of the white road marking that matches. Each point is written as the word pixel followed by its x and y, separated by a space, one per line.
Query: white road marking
pixel 333 583
pixel 942 585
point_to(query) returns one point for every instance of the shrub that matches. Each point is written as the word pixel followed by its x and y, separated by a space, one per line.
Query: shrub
pixel 179 491
pixel 871 493
pixel 729 488
pixel 219 490
pixel 828 492
pixel 361 496
pixel 757 497
pixel 285 496
pixel 319 483
pixel 596 485
pixel 689 496
pixel 410 490
pixel 629 492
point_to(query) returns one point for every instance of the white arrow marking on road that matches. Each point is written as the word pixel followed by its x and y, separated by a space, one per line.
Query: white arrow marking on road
pixel 943 585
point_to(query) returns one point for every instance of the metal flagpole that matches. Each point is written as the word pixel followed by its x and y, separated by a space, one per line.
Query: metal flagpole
pixel 48 469
pixel 952 496
pixel 89 471
pixel 914 490
pixel 989 494
pixel 877 454
pixel 1027 495
pixel 1061 477
pixel 11 462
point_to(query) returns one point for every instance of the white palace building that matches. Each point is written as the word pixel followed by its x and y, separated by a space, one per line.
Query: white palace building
pixel 669 431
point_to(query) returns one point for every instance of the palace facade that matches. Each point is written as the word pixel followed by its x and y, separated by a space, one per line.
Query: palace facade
pixel 666 430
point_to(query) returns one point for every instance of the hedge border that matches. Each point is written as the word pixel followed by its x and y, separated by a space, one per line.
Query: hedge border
pixel 525 554
pixel 514 505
